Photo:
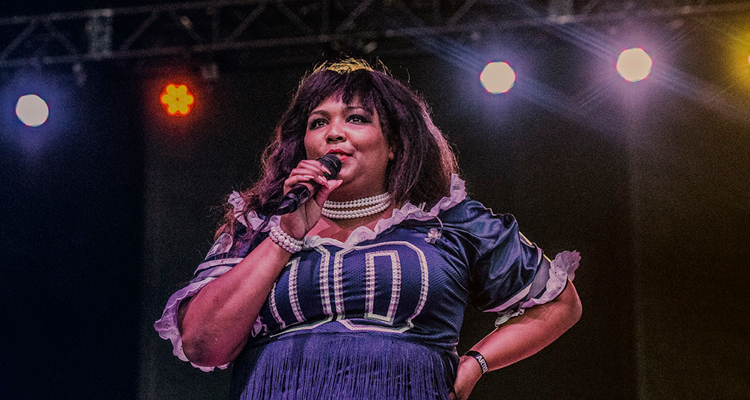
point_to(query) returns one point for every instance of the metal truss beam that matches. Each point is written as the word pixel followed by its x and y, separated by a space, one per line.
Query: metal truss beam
pixel 241 26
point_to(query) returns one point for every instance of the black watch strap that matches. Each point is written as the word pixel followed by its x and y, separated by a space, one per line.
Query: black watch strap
pixel 480 359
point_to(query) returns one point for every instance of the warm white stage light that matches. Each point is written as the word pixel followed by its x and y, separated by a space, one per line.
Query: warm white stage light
pixel 32 110
pixel 497 77
pixel 634 64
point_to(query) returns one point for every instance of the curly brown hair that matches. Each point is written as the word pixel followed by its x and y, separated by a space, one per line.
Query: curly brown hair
pixel 423 160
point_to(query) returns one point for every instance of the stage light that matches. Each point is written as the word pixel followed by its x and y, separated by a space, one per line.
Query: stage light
pixel 32 110
pixel 177 100
pixel 497 77
pixel 634 64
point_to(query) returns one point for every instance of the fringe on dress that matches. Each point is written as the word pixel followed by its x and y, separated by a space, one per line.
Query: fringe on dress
pixel 343 366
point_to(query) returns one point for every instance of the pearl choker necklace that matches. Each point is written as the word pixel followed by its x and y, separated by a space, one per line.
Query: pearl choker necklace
pixel 372 205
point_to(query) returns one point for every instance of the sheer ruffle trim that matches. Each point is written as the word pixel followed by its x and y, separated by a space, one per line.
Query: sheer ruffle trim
pixel 167 325
pixel 406 212
pixel 562 269
pixel 235 199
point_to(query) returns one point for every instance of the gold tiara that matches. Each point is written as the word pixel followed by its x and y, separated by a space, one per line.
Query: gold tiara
pixel 345 66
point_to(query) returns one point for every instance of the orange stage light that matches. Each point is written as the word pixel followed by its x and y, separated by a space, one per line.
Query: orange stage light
pixel 177 100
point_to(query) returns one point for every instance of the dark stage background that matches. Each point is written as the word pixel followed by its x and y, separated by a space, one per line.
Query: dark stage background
pixel 109 208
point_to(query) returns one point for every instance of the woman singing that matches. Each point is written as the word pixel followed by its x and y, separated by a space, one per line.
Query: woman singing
pixel 360 292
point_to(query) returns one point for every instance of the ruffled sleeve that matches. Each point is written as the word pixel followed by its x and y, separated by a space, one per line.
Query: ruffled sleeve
pixel 507 272
pixel 223 255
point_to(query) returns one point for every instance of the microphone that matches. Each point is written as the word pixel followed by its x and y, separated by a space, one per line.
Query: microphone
pixel 300 192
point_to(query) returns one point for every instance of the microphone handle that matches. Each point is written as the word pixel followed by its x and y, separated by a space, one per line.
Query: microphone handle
pixel 300 193
pixel 297 195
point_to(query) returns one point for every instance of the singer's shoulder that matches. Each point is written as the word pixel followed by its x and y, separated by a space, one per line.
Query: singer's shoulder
pixel 470 209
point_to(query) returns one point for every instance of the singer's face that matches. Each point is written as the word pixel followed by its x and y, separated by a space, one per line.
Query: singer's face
pixel 354 134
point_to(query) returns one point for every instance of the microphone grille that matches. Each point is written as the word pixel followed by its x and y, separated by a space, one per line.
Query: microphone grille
pixel 333 163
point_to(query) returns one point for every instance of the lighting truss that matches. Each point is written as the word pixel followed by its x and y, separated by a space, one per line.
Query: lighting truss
pixel 283 31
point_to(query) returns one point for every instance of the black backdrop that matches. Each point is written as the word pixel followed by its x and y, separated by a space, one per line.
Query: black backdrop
pixel 110 211
pixel 72 234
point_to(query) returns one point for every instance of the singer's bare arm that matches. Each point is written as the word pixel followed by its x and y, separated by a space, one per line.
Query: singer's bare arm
pixel 216 323
pixel 519 338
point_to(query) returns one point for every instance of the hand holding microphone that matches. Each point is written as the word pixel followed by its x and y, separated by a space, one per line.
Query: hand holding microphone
pixel 301 192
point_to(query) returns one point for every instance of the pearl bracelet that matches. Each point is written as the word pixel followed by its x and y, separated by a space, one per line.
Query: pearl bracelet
pixel 284 241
